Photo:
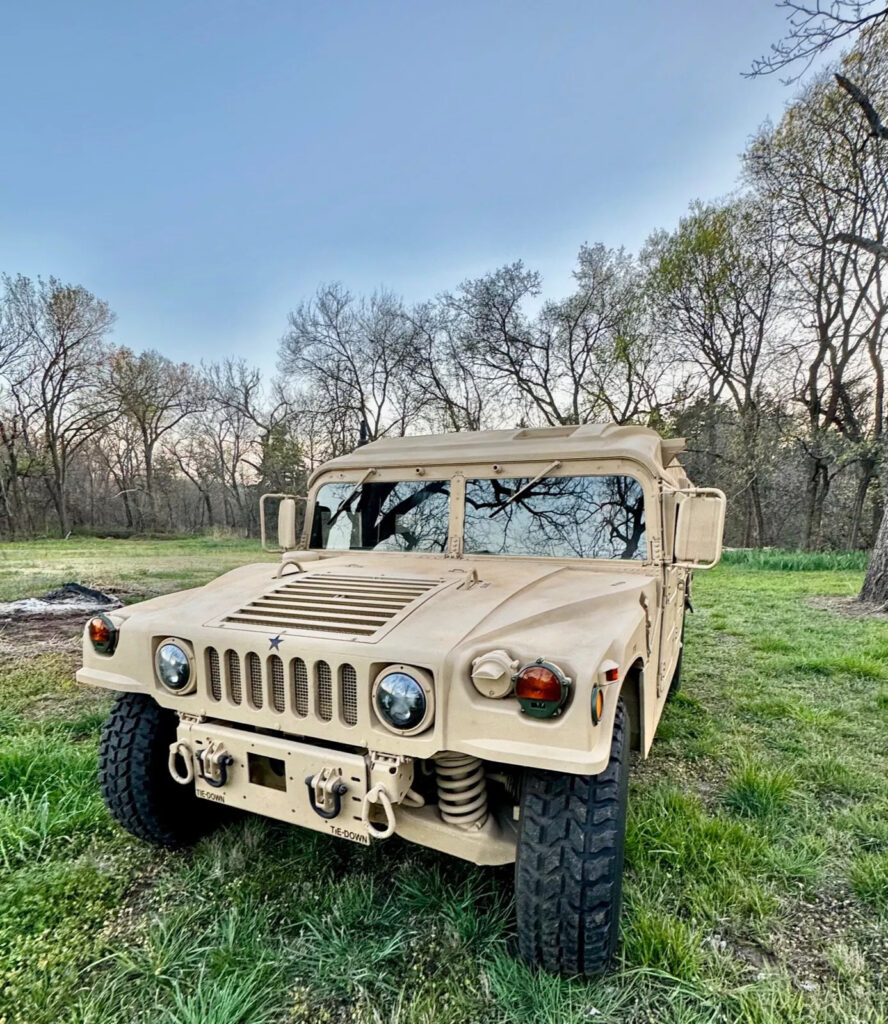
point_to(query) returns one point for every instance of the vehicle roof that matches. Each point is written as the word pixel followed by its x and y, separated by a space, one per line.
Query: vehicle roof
pixel 529 444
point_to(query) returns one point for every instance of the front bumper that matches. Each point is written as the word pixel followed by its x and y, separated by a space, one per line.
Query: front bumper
pixel 269 775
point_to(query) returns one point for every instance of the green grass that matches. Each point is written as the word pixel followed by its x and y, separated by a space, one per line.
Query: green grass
pixel 136 568
pixel 756 859
pixel 795 561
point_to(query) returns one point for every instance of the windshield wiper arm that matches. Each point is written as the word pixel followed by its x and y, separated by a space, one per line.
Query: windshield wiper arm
pixel 347 499
pixel 526 487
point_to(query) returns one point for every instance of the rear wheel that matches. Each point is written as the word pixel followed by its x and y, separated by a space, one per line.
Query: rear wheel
pixel 569 868
pixel 135 780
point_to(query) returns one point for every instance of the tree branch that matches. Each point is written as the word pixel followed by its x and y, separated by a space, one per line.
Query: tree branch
pixel 879 130
pixel 869 244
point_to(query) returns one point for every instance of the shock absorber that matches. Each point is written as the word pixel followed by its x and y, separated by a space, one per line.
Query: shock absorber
pixel 462 789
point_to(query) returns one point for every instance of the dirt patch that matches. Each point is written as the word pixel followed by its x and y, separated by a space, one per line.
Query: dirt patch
pixel 139 901
pixel 850 607
pixel 50 623
pixel 41 634
pixel 704 776
pixel 814 926
pixel 818 939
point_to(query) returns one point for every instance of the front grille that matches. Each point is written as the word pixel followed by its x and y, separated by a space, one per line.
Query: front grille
pixel 278 689
pixel 215 673
pixel 324 691
pixel 348 683
pixel 300 688
pixel 338 603
pixel 254 670
pixel 235 692
pixel 317 690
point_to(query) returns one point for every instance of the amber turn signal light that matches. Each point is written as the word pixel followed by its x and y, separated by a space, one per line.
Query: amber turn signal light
pixel 597 704
pixel 541 689
pixel 102 634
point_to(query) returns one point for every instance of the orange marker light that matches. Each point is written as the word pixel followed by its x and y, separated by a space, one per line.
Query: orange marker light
pixel 536 682
pixel 102 634
pixel 541 689
pixel 597 708
pixel 612 675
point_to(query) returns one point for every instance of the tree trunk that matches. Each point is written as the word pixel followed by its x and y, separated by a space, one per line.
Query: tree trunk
pixel 209 508
pixel 875 586
pixel 755 495
pixel 57 493
pixel 7 509
pixel 127 510
pixel 818 487
pixel 866 475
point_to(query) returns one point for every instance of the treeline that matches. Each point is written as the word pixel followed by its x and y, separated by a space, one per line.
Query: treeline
pixel 756 329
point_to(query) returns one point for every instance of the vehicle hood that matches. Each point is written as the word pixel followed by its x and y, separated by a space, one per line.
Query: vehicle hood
pixel 460 608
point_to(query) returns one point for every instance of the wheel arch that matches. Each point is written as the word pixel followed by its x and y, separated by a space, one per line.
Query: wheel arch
pixel 632 692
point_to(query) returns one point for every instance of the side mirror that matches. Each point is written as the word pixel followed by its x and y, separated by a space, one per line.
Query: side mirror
pixel 699 528
pixel 286 521
pixel 287 524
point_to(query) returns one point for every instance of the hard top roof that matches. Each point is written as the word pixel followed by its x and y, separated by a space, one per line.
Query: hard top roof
pixel 530 444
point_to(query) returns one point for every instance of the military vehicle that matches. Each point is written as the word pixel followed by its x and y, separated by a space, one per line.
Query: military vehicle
pixel 461 648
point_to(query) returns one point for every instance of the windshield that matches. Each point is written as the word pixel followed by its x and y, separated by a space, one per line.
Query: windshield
pixel 553 517
pixel 556 517
pixel 400 515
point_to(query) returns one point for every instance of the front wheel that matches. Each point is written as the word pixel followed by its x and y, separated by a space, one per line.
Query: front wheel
pixel 135 780
pixel 569 867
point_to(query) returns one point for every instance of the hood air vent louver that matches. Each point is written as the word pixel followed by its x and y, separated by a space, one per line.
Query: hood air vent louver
pixel 344 605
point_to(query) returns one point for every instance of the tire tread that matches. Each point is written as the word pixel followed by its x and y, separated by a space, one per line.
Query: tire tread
pixel 568 874
pixel 135 781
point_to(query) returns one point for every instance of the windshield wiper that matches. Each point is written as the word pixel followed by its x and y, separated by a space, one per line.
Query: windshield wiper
pixel 525 488
pixel 347 499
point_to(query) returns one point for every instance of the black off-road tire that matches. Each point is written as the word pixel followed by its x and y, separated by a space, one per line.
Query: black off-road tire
pixel 135 780
pixel 569 868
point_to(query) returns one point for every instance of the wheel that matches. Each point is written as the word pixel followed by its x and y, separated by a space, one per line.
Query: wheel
pixel 569 867
pixel 135 780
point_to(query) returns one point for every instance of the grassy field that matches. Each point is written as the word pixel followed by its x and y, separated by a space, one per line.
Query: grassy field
pixel 757 853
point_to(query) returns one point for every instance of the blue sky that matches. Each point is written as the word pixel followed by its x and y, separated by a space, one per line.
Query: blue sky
pixel 205 165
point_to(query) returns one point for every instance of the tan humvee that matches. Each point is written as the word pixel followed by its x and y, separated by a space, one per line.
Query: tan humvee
pixel 471 635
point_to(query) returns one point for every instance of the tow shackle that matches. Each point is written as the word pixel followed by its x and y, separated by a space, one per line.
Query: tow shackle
pixel 324 784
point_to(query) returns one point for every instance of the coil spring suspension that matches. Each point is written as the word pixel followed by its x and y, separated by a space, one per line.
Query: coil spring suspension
pixel 462 789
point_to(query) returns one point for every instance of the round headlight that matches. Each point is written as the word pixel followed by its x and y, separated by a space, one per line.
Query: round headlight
pixel 404 699
pixel 174 667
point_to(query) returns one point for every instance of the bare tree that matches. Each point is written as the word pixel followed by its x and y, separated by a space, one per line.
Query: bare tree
pixel 63 329
pixel 584 357
pixel 813 28
pixel 716 285
pixel 359 355
pixel 460 396
pixel 875 586
pixel 154 395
